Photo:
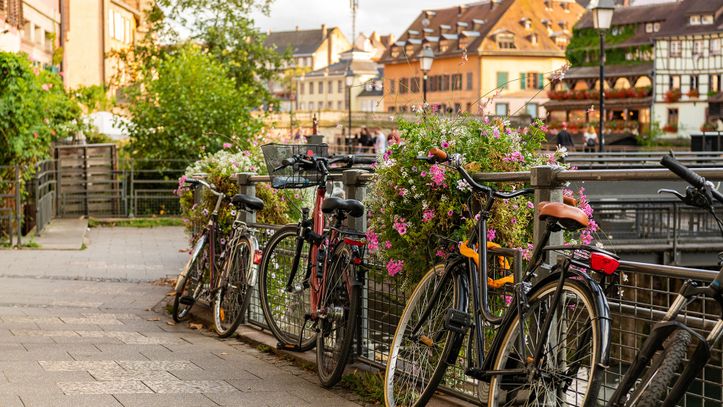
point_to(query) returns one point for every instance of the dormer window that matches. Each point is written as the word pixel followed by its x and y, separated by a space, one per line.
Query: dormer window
pixel 443 45
pixel 477 24
pixel 409 49
pixel 395 51
pixel 444 28
pixel 706 19
pixel 562 24
pixel 526 22
pixel 649 27
pixel 561 41
pixel 505 41
pixel 656 27
pixel 694 20
pixel 548 5
pixel 565 7
pixel 533 38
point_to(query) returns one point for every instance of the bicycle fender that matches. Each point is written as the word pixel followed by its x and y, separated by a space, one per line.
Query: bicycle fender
pixel 253 278
pixel 184 274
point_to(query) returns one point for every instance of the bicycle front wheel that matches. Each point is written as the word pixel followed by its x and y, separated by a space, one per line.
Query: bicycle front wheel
pixel 567 374
pixel 416 363
pixel 340 313
pixel 192 283
pixel 232 297
pixel 284 310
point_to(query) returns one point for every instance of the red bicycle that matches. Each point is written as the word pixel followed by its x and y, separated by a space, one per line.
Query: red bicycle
pixel 331 257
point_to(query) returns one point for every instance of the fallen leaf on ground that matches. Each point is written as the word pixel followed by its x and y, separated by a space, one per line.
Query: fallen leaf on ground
pixel 154 319
pixel 171 323
pixel 195 326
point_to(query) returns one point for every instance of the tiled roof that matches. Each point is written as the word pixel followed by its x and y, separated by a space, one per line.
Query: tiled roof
pixel 300 42
pixel 359 67
pixel 634 14
pixel 611 71
pixel 677 24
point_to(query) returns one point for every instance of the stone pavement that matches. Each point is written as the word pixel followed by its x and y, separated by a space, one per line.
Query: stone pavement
pixel 63 234
pixel 98 341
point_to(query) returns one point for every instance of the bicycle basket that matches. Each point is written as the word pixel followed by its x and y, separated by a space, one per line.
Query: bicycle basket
pixel 292 176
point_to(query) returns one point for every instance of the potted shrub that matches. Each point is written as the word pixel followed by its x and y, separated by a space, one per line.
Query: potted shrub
pixel 708 126
pixel 672 95
pixel 693 93
pixel 670 128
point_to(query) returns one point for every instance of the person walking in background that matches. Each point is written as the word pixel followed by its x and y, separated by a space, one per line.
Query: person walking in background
pixel 564 138
pixel 380 143
pixel 590 139
pixel 393 137
pixel 365 139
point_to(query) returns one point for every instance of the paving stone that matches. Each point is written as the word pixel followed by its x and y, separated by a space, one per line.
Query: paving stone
pixel 165 400
pixel 189 386
pixel 107 387
pixel 93 321
pixel 40 400
pixel 158 365
pixel 264 398
pixel 78 365
pixel 40 332
pixel 123 316
pixel 122 374
pixel 11 400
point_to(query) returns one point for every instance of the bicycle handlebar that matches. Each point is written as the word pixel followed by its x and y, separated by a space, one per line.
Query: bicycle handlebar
pixel 688 175
pixel 312 163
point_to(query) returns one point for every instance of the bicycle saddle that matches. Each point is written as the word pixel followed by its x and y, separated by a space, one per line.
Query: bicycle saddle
pixel 249 202
pixel 569 217
pixel 351 206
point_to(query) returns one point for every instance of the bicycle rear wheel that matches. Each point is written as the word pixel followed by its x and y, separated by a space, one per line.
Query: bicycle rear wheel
pixel 232 297
pixel 652 389
pixel 568 375
pixel 192 284
pixel 284 311
pixel 340 307
pixel 416 365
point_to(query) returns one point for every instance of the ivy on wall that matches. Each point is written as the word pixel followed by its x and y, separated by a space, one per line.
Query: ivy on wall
pixel 586 41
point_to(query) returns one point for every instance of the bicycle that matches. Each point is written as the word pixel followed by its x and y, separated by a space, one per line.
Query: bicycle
pixel 229 292
pixel 533 362
pixel 651 379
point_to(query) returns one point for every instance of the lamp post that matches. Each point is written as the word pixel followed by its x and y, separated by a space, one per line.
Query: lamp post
pixel 349 77
pixel 602 17
pixel 426 57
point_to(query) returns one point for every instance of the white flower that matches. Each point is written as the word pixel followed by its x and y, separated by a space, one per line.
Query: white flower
pixel 463 185
pixel 599 245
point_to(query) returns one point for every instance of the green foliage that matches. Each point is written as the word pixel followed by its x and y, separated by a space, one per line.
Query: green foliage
pixel 411 202
pixel 369 386
pixel 34 111
pixel 587 41
pixel 135 223
pixel 93 98
pixel 191 106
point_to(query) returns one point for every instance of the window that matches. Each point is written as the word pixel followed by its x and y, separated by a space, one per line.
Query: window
pixel 715 46
pixel 391 86
pixel 673 117
pixel 533 39
pixel 531 110
pixel 505 41
pixel 531 80
pixel 415 85
pixel 311 89
pixel 403 85
pixel 674 82
pixel 707 19
pixel 39 35
pixel 694 81
pixel 457 107
pixel 330 105
pixel 311 105
pixel 391 109
pixel 321 87
pixel 502 80
pixel 698 47
pixel 301 88
pixel 561 41
pixel 469 107
pixel 675 48
pixel 714 83
pixel 339 86
pixel 501 109
pixel 649 27
pixel 470 81
pixel 694 20
pixel 656 27
pixel 28 31
pixel 457 81
pixel 445 83
pixel 302 106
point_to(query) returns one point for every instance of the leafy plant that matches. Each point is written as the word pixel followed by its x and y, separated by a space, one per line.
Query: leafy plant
pixel 693 93
pixel 673 95
pixel 670 128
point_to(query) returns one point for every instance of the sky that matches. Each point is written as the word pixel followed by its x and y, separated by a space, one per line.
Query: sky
pixel 383 16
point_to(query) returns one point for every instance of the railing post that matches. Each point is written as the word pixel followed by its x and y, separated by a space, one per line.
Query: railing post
pixel 39 218
pixel 18 206
pixel 355 188
pixel 247 188
pixel 131 204
pixel 547 189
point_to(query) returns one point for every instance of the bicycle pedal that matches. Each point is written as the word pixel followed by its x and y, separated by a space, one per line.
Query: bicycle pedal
pixel 187 300
pixel 291 348
pixel 476 373
pixel 457 321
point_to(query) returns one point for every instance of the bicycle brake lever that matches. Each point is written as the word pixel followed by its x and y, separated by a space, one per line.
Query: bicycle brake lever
pixel 671 191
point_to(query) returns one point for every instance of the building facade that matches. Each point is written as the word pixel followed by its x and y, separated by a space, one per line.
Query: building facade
pixel 500 48
pixel 688 68
pixel 326 88
pixel 92 30
pixel 310 50
pixel 31 27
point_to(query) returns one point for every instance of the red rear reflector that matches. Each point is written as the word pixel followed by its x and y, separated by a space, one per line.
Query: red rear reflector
pixel 257 257
pixel 357 261
pixel 352 242
pixel 603 263
pixel 310 153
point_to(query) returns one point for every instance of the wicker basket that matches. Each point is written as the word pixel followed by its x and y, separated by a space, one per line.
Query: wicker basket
pixel 292 176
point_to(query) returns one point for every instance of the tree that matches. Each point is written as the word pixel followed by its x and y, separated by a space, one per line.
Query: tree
pixel 190 106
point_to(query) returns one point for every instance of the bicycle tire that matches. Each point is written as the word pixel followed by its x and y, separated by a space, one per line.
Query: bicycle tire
pixel 340 292
pixel 585 379
pixel 662 370
pixel 232 298
pixel 284 312
pixel 192 284
pixel 412 389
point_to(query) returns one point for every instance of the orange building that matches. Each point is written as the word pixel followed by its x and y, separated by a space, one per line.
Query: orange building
pixel 510 45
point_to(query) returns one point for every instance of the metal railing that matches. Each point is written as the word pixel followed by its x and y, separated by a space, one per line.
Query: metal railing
pixel 645 290
pixel 10 205
pixel 45 187
pixel 641 159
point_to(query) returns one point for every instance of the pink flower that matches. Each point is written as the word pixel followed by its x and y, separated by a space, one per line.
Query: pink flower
pixel 496 132
pixel 47 86
pixel 400 225
pixel 513 221
pixel 551 159
pixel 387 245
pixel 507 299
pixel 487 120
pixel 394 267
pixel 450 213
pixel 441 253
pixel 543 128
pixel 530 205
pixel 514 157
pixel 585 237
pixel 226 145
pixel 423 174
pixel 372 240
pixel 427 215
pixel 491 234
pixel 445 144
pixel 402 191
pixel 527 253
pixel 437 174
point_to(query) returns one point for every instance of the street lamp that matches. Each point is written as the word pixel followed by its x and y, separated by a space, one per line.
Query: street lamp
pixel 602 18
pixel 349 77
pixel 426 57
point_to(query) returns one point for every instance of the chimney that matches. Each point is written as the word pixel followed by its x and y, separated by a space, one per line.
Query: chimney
pixel 323 31
pixel 297 28
pixel 495 3
pixel 329 44
pixel 461 9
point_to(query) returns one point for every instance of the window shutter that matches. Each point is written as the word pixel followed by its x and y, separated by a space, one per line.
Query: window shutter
pixel 523 80
pixel 540 81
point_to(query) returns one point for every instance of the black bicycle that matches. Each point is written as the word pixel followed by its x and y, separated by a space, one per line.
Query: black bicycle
pixel 550 343
pixel 658 376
